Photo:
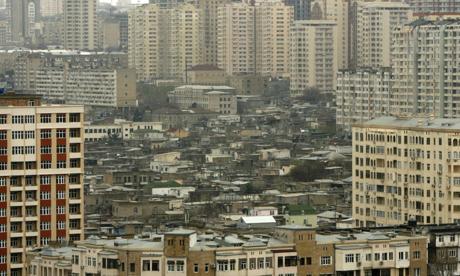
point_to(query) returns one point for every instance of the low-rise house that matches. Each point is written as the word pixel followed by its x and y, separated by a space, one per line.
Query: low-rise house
pixel 257 222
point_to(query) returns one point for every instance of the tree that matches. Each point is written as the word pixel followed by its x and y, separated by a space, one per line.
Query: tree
pixel 308 171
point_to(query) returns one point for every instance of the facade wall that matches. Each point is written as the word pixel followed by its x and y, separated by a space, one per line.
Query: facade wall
pixel 405 169
pixel 361 95
pixel 427 86
pixel 81 25
pixel 311 39
pixel 42 179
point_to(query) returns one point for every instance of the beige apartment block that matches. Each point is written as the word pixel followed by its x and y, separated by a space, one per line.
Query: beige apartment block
pixel 362 95
pixel 338 11
pixel 313 55
pixel 406 169
pixel 41 177
pixel 273 20
pixel 208 16
pixel 254 38
pixel 163 43
pixel 81 25
pixel 373 24
pixel 430 84
pixel 236 52
pixel 51 7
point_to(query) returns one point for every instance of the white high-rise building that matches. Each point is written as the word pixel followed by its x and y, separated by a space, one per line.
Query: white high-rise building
pixel 361 95
pixel 372 31
pixel 163 43
pixel 425 69
pixel 313 55
pixel 51 7
pixel 208 15
pixel 80 21
pixel 273 23
pixel 236 51
pixel 254 38
pixel 336 10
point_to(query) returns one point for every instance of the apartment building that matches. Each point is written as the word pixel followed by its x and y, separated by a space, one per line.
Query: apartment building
pixel 313 55
pixel 254 38
pixel 41 177
pixel 372 27
pixel 51 7
pixel 302 8
pixel 220 99
pixel 434 7
pixel 81 24
pixel 96 79
pixel 361 95
pixel 406 169
pixel 163 43
pixel 338 11
pixel 208 17
pixel 235 38
pixel 425 69
pixel 273 21
pixel 290 251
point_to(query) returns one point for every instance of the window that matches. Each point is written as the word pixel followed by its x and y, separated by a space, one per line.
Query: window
pixel 60 133
pixel 180 265
pixel 74 132
pixel 3 151
pixel 45 225
pixel 452 253
pixel 45 149
pixel 45 134
pixel 75 163
pixel 45 164
pixel 74 117
pixel 3 119
pixel 45 118
pixel 155 265
pixel 61 149
pixel 45 210
pixel 45 180
pixel 325 260
pixel 3 166
pixel 196 268
pixel 417 272
pixel 2 228
pixel 3 135
pixel 349 258
pixel 75 259
pixel 242 264
pixel 171 265
pixel 146 265
pixel 45 195
pixel 2 212
pixel 61 164
pixel 416 255
pixel 60 210
pixel 2 243
pixel 60 118
pixel 60 194
pixel 17 119
pixel 60 179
